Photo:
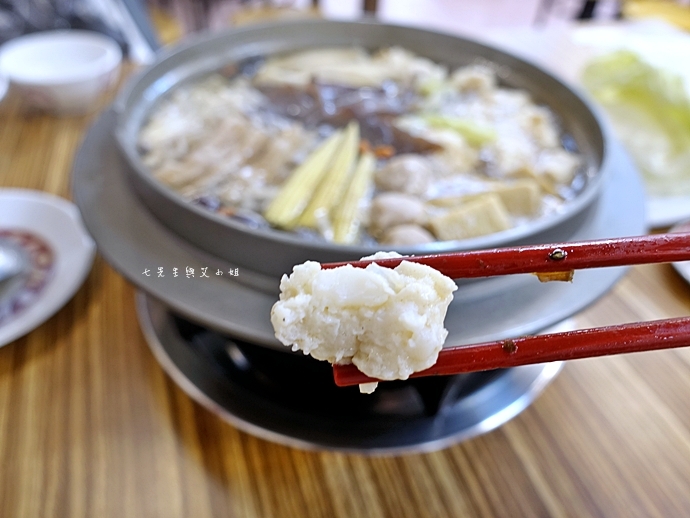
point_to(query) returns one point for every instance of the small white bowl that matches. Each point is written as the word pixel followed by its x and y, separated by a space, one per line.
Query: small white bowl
pixel 64 72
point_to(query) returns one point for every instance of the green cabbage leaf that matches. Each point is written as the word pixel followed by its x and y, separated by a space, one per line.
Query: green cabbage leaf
pixel 650 111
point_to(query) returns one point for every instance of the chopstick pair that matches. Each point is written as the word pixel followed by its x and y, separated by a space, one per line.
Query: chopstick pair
pixel 549 262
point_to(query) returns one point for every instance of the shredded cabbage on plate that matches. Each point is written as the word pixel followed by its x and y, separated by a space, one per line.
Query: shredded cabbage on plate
pixel 650 111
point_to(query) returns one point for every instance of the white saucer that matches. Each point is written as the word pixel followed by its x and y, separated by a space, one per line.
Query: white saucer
pixel 57 222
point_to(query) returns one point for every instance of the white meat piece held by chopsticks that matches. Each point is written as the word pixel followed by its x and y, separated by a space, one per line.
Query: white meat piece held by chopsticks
pixel 388 322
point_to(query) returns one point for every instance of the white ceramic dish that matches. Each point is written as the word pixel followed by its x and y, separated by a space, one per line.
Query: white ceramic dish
pixel 57 222
pixel 664 212
pixel 64 72
pixel 662 46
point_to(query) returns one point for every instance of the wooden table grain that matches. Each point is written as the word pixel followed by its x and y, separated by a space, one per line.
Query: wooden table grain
pixel 91 426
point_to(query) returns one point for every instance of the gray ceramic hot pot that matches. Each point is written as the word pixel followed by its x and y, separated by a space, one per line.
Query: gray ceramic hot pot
pixel 270 253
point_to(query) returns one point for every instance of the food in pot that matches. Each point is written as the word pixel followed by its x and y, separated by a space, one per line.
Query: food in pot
pixel 388 322
pixel 353 147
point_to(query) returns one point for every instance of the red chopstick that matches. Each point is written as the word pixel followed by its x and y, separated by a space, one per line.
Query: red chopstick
pixel 551 258
pixel 602 341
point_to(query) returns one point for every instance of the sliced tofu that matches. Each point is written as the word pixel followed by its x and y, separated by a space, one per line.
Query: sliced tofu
pixel 483 215
pixel 520 198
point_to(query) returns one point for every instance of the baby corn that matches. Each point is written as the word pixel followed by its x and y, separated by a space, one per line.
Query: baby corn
pixel 346 216
pixel 290 202
pixel 334 181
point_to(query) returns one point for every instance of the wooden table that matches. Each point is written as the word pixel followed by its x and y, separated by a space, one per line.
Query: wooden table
pixel 91 426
